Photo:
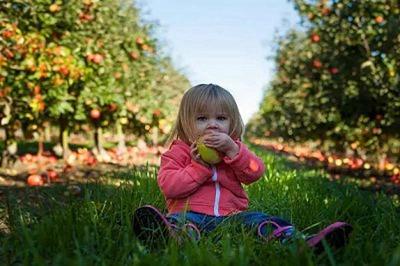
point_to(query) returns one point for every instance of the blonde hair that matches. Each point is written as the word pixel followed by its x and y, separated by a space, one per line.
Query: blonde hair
pixel 197 100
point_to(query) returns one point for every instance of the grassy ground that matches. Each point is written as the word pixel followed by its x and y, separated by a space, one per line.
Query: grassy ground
pixel 44 226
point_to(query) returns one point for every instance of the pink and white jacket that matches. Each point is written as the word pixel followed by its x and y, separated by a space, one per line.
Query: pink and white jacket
pixel 190 186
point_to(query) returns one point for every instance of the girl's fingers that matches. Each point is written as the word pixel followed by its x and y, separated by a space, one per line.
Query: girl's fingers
pixel 214 141
pixel 211 144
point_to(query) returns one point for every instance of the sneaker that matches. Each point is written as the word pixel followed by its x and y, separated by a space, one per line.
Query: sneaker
pixel 283 233
pixel 150 226
pixel 336 235
pixel 191 232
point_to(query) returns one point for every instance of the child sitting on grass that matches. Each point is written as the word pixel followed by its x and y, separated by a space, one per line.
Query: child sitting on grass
pixel 201 195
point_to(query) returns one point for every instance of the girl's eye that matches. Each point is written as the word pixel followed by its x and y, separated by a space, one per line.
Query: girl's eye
pixel 201 118
pixel 221 118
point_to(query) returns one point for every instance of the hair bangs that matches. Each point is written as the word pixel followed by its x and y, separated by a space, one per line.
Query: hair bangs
pixel 211 97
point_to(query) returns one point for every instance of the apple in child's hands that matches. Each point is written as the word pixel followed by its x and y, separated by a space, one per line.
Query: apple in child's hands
pixel 221 142
pixel 207 154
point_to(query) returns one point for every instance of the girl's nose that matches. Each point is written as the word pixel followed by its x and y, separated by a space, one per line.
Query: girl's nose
pixel 212 124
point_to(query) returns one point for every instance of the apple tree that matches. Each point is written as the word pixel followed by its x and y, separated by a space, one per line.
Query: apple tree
pixel 337 81
pixel 79 63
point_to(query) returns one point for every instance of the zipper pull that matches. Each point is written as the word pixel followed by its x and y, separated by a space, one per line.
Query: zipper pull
pixel 214 176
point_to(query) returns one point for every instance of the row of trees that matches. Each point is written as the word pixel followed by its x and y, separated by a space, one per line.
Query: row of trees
pixel 337 82
pixel 82 65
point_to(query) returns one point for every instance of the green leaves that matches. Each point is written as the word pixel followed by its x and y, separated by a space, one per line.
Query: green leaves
pixel 82 55
pixel 340 73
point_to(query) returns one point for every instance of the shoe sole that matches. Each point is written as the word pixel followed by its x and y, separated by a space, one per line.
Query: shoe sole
pixel 336 235
pixel 150 226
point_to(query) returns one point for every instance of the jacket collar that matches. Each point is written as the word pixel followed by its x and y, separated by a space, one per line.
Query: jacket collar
pixel 180 143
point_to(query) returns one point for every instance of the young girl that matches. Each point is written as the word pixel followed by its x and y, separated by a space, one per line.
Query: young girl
pixel 199 195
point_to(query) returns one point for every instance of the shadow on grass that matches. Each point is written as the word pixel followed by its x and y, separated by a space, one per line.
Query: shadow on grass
pixel 133 186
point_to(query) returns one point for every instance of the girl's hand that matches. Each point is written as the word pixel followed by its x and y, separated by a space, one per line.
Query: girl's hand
pixel 222 143
pixel 196 156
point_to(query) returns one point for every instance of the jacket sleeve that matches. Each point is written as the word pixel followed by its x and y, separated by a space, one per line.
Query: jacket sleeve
pixel 177 180
pixel 246 165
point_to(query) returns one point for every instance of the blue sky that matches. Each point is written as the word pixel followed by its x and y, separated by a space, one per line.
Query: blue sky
pixel 223 42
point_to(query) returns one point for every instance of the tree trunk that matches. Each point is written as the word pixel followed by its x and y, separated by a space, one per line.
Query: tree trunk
pixel 47 132
pixel 9 154
pixel 97 139
pixel 62 148
pixel 121 149
pixel 154 136
pixel 100 152
pixel 64 135
pixel 40 141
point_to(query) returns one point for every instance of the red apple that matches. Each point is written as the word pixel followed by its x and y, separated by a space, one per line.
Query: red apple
pixel 317 63
pixel 64 70
pixel 34 180
pixel 157 112
pixel 7 34
pixel 53 175
pixel 41 106
pixel 112 107
pixel 117 75
pixel 85 17
pixel 36 90
pixel 54 8
pixel 315 37
pixel 95 114
pixel 376 130
pixel 97 58
pixel 89 57
pixel 145 47
pixel 325 11
pixel 379 19
pixel 139 40
pixel 90 160
pixel 8 53
pixel 334 70
pixel 134 55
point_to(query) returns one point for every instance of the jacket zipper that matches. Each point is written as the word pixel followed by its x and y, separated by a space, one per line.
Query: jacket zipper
pixel 217 191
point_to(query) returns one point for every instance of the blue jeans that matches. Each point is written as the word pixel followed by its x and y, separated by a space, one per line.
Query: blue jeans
pixel 250 219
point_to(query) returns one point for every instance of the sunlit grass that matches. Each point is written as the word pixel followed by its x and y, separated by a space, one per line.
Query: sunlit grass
pixel 47 227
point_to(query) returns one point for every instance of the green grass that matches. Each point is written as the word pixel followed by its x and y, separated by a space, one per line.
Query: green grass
pixel 47 227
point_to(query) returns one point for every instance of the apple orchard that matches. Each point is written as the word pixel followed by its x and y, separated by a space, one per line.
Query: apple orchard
pixel 89 68
pixel 336 85
pixel 82 67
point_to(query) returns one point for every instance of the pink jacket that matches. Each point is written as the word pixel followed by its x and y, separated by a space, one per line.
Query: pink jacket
pixel 188 185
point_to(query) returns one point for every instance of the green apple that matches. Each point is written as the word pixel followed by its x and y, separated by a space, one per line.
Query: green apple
pixel 207 154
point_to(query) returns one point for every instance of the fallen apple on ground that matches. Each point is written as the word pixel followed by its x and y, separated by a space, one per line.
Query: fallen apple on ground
pixel 53 175
pixel 34 180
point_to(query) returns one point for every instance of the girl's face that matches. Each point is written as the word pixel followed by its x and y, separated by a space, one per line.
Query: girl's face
pixel 213 120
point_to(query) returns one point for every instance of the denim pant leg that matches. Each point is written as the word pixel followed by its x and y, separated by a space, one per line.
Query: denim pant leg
pixel 205 223
pixel 253 220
